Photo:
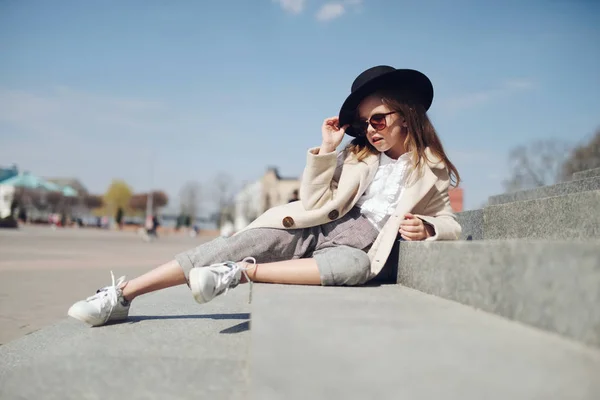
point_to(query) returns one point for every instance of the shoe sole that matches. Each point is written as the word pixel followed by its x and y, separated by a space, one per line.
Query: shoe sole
pixel 92 321
pixel 194 286
pixel 87 320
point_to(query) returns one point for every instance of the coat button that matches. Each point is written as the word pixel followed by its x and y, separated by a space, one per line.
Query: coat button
pixel 288 222
pixel 333 214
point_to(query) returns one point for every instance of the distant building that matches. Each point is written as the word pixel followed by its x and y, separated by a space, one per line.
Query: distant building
pixel 248 205
pixel 277 190
pixel 72 182
pixel 6 173
pixel 256 197
pixel 456 199
pixel 7 194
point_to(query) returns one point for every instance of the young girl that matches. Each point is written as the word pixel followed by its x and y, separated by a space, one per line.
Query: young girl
pixel 391 180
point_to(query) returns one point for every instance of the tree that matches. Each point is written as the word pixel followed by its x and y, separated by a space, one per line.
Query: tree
pixel 189 199
pixel 92 201
pixel 139 201
pixel 54 199
pixel 583 157
pixel 538 164
pixel 118 195
pixel 223 187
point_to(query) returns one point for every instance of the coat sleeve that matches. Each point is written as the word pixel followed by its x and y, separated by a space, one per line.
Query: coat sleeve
pixel 440 215
pixel 320 178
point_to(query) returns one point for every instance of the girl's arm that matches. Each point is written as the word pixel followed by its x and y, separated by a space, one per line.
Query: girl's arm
pixel 440 215
pixel 320 178
pixel 323 167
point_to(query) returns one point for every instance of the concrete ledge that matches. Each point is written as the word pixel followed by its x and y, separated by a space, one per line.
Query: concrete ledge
pixel 552 285
pixel 471 223
pixel 391 342
pixel 559 189
pixel 569 217
pixel 586 174
pixel 172 348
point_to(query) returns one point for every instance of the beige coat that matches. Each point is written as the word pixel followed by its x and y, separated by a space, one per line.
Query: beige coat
pixel 327 193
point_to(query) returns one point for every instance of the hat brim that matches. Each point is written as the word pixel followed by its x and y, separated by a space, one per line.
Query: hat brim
pixel 415 83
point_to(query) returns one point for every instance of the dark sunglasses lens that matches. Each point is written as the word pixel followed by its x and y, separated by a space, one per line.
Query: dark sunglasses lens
pixel 360 127
pixel 378 121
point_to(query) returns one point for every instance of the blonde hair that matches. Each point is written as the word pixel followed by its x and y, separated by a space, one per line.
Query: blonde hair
pixel 421 135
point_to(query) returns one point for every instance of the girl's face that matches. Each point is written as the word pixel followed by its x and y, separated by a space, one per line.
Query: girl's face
pixel 386 130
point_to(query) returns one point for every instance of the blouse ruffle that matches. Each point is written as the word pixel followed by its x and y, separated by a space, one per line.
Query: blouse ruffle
pixel 383 194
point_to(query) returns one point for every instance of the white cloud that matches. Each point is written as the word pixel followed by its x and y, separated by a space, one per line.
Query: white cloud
pixel 326 12
pixel 292 6
pixel 475 99
pixel 330 11
pixel 519 84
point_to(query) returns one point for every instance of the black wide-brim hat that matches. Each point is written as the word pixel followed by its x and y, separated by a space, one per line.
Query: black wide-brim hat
pixel 414 86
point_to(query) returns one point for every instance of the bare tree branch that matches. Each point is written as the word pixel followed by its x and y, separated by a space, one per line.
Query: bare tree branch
pixel 538 164
pixel 584 157
pixel 189 199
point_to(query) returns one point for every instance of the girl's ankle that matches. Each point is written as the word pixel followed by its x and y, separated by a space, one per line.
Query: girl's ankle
pixel 127 296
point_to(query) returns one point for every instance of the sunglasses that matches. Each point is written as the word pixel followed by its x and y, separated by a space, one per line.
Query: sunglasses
pixel 377 121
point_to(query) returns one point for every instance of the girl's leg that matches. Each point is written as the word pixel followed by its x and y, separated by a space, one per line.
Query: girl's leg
pixel 268 245
pixel 302 271
pixel 167 275
pixel 340 265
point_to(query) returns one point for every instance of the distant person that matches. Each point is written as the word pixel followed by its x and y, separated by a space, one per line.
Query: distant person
pixel 227 229
pixel 22 214
pixel 119 218
pixel 179 222
pixel 294 197
pixel 152 231
pixel 391 180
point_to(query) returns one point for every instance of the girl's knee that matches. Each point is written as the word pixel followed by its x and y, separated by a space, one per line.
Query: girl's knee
pixel 344 266
pixel 358 269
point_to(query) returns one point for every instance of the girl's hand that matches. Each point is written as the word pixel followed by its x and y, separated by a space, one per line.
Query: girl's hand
pixel 412 228
pixel 332 134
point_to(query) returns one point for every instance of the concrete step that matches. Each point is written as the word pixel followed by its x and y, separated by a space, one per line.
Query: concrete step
pixel 391 342
pixel 471 222
pixel 172 348
pixel 586 174
pixel 560 189
pixel 552 285
pixel 568 217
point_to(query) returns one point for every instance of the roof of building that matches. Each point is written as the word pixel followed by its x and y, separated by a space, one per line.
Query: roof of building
pixel 279 177
pixel 72 182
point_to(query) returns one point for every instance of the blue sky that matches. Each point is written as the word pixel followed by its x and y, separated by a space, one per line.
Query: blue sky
pixel 94 89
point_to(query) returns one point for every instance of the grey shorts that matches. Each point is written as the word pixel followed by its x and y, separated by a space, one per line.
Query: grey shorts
pixel 339 248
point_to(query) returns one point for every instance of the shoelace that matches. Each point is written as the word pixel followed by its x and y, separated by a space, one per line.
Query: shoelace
pixel 233 267
pixel 108 293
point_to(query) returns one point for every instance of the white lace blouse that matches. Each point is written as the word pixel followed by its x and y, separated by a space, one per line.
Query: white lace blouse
pixel 383 194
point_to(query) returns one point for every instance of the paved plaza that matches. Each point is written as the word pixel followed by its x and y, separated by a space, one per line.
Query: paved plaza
pixel 43 271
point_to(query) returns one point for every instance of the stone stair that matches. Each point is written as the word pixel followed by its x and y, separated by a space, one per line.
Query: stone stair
pixel 532 256
pixel 512 311
pixel 559 189
pixel 392 342
pixel 586 174
pixel 572 216
pixel 171 348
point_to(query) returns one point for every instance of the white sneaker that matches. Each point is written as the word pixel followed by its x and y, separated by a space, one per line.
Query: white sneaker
pixel 209 282
pixel 106 305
